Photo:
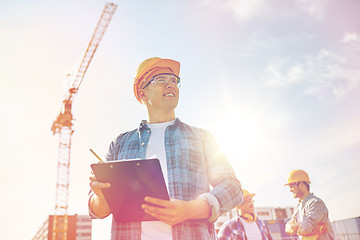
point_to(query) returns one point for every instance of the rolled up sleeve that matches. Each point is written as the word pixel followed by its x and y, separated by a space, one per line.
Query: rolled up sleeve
pixel 315 214
pixel 226 192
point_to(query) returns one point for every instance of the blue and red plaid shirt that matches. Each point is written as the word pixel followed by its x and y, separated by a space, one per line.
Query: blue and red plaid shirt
pixel 234 229
pixel 194 162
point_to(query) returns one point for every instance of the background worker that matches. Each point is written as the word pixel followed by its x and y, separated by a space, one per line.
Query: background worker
pixel 190 159
pixel 310 219
pixel 245 226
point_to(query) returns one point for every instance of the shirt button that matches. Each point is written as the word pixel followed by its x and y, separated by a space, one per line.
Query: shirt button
pixel 148 131
pixel 142 143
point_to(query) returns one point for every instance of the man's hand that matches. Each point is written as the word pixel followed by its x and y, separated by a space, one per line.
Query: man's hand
pixel 176 211
pixel 318 230
pixel 97 186
pixel 302 232
pixel 291 227
pixel 98 203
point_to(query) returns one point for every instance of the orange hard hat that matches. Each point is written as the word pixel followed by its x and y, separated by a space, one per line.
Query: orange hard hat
pixel 246 194
pixel 150 65
pixel 298 176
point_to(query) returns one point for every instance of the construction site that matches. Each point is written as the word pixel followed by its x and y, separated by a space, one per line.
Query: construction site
pixel 97 104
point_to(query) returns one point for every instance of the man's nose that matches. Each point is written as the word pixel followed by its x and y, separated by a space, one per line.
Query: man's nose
pixel 170 82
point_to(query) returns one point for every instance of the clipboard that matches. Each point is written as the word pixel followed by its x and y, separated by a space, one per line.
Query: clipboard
pixel 131 181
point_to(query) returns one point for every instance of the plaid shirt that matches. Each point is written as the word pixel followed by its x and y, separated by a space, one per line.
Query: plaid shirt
pixel 194 161
pixel 312 211
pixel 234 229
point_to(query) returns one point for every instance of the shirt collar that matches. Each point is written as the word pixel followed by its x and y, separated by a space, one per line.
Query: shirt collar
pixel 307 198
pixel 144 124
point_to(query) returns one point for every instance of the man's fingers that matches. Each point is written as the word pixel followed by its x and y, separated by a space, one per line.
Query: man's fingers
pixel 158 201
pixel 154 209
pixel 159 213
pixel 95 184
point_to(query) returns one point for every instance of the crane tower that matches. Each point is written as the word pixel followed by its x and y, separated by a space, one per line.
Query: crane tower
pixel 64 127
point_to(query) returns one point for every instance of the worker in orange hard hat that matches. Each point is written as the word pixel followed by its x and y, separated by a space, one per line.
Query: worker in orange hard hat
pixel 245 226
pixel 310 220
pixel 295 178
pixel 154 67
pixel 190 159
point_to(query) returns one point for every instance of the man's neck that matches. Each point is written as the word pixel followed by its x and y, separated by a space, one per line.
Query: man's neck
pixel 161 117
pixel 304 196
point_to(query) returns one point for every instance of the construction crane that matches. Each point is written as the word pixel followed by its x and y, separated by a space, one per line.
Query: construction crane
pixel 64 127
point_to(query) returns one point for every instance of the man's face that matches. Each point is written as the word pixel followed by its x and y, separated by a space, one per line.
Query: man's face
pixel 296 190
pixel 162 94
pixel 247 207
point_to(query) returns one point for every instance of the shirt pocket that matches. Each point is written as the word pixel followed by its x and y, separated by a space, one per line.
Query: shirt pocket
pixel 127 150
pixel 193 161
pixel 191 152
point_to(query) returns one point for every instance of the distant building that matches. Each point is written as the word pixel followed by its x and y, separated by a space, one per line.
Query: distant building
pixel 79 228
pixel 267 213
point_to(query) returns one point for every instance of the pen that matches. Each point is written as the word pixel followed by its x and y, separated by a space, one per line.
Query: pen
pixel 96 155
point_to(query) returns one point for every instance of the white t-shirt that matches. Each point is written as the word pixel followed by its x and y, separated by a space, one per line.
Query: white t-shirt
pixel 156 147
pixel 252 230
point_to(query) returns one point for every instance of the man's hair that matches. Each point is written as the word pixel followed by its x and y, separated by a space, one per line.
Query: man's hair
pixel 306 184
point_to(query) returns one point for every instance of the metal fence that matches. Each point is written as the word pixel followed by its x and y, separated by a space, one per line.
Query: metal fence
pixel 344 236
pixel 347 236
pixel 347 229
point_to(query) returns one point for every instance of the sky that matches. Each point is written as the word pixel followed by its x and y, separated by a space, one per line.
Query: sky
pixel 276 82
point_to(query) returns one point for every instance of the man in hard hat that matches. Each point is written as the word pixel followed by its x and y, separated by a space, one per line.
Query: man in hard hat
pixel 191 161
pixel 310 219
pixel 246 225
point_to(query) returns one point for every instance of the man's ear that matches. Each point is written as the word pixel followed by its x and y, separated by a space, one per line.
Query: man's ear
pixel 142 95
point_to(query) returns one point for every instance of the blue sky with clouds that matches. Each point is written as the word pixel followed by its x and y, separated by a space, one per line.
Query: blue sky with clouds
pixel 276 82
